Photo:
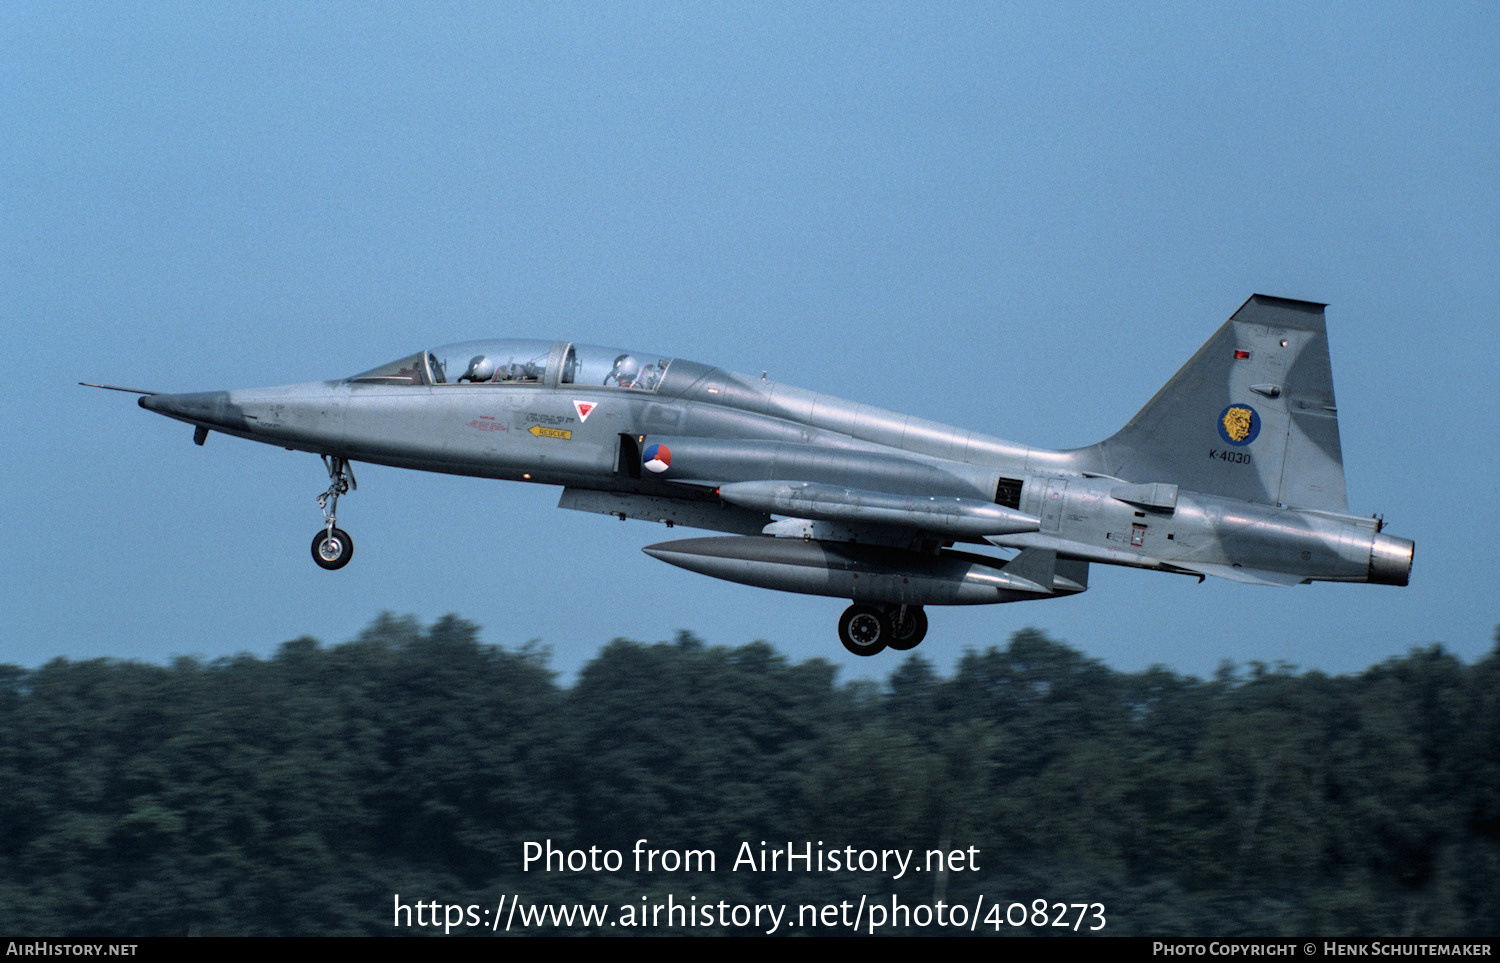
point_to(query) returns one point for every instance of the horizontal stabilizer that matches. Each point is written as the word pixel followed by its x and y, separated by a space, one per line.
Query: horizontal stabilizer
pixel 1237 573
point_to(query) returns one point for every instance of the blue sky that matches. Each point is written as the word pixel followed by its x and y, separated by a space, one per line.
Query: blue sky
pixel 1019 219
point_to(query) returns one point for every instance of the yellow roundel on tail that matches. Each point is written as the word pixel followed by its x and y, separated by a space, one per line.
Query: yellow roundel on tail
pixel 1239 424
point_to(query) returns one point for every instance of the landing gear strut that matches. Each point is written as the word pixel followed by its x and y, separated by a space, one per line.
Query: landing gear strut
pixel 868 629
pixel 332 547
pixel 908 627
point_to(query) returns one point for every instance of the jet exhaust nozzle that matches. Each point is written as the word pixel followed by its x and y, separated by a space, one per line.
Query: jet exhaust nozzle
pixel 1390 560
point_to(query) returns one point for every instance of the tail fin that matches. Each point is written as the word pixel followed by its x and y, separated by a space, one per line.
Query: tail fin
pixel 1251 416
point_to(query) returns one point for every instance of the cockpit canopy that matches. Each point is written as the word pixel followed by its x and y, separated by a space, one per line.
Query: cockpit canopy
pixel 522 362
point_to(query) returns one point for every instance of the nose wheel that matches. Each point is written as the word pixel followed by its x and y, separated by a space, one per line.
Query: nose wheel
pixel 332 547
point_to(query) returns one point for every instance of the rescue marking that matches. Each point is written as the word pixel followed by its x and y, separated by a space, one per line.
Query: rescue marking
pixel 541 432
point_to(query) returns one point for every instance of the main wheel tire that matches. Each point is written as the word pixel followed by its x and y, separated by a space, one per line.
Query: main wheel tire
pixel 864 629
pixel 909 632
pixel 332 550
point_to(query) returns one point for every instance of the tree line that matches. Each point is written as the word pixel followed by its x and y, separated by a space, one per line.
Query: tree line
pixel 301 793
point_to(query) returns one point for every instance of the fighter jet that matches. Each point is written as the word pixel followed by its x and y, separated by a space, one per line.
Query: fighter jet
pixel 1233 470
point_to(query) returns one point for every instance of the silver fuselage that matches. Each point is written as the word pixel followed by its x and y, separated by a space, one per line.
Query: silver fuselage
pixel 723 428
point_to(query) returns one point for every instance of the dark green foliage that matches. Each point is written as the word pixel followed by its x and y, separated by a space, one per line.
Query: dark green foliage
pixel 693 746
pixel 300 794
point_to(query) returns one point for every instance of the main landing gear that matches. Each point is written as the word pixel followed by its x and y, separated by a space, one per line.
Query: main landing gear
pixel 332 547
pixel 868 629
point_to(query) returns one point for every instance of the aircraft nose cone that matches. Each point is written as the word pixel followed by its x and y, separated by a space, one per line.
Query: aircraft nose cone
pixel 200 408
pixel 175 405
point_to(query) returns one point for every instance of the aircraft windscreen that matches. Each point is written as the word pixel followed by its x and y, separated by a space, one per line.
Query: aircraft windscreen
pixel 519 362
pixel 414 370
pixel 527 362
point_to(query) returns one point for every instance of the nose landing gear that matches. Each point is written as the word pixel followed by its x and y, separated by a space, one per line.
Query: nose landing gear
pixel 332 548
pixel 868 629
